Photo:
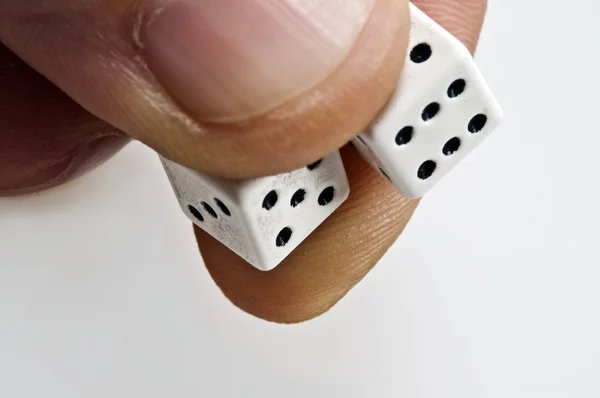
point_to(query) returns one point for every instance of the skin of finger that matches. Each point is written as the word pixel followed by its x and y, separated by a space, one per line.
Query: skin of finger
pixel 90 53
pixel 46 139
pixel 332 260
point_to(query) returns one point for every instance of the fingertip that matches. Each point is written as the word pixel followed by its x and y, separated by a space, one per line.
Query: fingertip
pixel 97 61
pixel 328 264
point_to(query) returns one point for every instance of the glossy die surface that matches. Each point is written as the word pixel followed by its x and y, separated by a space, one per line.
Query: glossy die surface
pixel 262 220
pixel 441 111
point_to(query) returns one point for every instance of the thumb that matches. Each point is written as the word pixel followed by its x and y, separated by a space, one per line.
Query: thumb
pixel 234 88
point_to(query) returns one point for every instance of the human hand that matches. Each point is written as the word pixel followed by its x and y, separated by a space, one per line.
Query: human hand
pixel 205 83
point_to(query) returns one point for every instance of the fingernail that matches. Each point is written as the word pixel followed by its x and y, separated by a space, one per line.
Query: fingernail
pixel 226 60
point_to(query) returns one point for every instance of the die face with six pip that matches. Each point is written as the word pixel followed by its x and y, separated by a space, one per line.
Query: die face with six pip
pixel 264 219
pixel 440 112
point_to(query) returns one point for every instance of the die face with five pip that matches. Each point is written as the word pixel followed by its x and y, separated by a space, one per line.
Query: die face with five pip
pixel 264 219
pixel 441 111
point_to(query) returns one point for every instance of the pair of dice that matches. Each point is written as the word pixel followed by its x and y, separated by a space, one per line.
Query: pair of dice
pixel 441 111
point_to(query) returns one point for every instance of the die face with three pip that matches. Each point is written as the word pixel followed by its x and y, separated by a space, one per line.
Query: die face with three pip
pixel 441 110
pixel 263 219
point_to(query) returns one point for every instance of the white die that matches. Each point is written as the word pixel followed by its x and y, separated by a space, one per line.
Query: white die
pixel 441 111
pixel 264 219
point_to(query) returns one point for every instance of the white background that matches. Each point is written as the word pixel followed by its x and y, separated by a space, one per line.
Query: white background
pixel 493 291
